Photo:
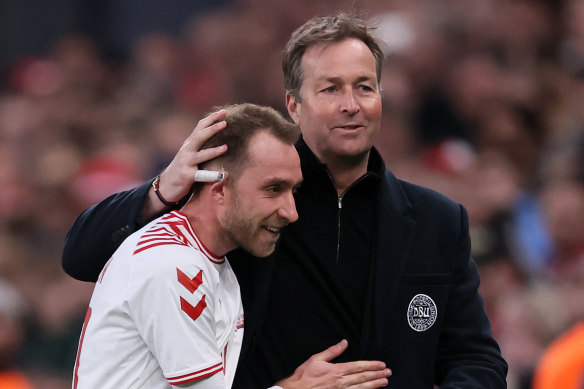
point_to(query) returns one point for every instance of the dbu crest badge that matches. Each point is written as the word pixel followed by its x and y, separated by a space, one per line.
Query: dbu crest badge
pixel 422 313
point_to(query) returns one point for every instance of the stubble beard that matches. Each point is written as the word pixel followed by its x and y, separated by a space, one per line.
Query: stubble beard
pixel 245 231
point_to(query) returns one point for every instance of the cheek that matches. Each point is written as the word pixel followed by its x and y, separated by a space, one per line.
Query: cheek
pixel 317 110
pixel 374 110
pixel 257 207
pixel 312 125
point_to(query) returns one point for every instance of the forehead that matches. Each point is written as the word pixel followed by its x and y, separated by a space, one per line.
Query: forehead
pixel 269 156
pixel 335 59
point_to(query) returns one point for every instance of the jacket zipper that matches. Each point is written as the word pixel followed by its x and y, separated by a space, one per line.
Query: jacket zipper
pixel 340 203
pixel 339 209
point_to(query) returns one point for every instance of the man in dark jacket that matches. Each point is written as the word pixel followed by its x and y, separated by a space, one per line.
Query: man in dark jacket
pixel 375 260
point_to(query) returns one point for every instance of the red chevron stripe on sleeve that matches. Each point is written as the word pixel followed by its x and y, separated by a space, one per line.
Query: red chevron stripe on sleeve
pixel 193 312
pixel 190 283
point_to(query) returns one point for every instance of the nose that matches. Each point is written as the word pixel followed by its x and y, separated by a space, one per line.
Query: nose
pixel 288 208
pixel 349 104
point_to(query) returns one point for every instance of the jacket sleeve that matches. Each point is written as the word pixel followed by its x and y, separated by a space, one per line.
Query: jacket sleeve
pixel 99 231
pixel 468 355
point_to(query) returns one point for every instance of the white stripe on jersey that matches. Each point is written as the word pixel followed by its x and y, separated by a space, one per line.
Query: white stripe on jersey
pixel 185 378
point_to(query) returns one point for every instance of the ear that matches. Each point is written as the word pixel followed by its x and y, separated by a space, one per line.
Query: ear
pixel 294 107
pixel 218 189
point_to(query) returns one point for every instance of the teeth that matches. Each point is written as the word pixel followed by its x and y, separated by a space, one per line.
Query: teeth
pixel 272 229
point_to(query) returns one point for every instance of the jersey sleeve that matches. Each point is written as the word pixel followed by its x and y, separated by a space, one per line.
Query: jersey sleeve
pixel 171 302
pixel 215 381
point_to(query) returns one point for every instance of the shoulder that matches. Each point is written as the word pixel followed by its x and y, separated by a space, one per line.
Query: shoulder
pixel 168 270
pixel 162 257
pixel 169 238
pixel 427 206
pixel 405 195
pixel 428 199
pixel 166 262
pixel 156 251
pixel 440 223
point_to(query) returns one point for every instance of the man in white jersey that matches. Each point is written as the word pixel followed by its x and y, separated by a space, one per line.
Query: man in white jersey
pixel 166 310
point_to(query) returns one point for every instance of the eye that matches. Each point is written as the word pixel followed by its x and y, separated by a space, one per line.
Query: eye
pixel 330 89
pixel 365 88
pixel 273 189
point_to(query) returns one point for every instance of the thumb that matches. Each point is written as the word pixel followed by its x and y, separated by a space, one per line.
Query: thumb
pixel 332 352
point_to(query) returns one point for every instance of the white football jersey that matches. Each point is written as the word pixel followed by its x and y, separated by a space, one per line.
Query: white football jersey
pixel 165 311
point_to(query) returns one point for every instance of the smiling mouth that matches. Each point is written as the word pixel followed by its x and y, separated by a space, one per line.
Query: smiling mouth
pixel 273 230
pixel 350 127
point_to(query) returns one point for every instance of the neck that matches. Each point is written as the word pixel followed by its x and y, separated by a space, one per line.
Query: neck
pixel 345 171
pixel 203 218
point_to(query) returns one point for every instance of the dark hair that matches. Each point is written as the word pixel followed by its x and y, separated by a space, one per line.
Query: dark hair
pixel 326 29
pixel 243 121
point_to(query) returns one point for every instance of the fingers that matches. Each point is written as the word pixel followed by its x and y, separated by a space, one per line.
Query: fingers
pixel 355 367
pixel 208 120
pixel 332 352
pixel 380 383
pixel 206 128
pixel 364 374
pixel 208 154
pixel 368 379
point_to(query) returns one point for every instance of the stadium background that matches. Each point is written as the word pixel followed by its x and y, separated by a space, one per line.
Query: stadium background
pixel 483 101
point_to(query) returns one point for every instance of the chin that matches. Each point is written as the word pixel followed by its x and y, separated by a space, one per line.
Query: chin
pixel 356 154
pixel 261 252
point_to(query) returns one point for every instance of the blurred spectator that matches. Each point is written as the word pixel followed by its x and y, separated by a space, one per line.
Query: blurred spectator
pixel 563 207
pixel 562 363
pixel 13 312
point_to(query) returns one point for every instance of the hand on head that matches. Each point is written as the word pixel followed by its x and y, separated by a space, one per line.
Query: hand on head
pixel 176 180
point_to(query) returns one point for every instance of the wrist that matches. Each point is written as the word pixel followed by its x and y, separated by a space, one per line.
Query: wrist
pixel 163 200
pixel 285 383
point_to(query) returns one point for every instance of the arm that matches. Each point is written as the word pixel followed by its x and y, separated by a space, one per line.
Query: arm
pixel 100 229
pixel 171 298
pixel 319 372
pixel 467 352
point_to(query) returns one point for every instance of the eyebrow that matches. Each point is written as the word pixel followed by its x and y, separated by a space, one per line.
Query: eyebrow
pixel 279 181
pixel 335 80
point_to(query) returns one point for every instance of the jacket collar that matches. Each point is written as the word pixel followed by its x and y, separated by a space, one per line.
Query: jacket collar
pixel 391 196
pixel 314 169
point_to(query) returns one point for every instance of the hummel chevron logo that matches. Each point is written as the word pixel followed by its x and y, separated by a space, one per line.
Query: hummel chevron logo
pixel 192 284
pixel 193 312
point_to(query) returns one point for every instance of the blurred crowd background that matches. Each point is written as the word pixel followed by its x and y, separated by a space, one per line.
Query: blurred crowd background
pixel 483 101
